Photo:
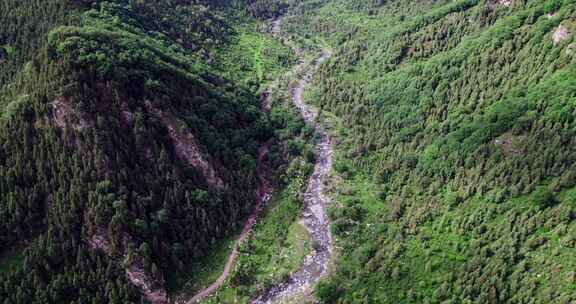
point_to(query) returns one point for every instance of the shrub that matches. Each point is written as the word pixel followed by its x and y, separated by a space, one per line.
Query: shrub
pixel 552 6
pixel 544 198
pixel 328 292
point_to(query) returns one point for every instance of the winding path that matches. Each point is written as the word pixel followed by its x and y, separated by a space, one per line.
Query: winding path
pixel 313 215
pixel 264 191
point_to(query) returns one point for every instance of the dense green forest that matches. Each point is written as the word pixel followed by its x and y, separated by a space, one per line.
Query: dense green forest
pixel 130 130
pixel 129 141
pixel 456 166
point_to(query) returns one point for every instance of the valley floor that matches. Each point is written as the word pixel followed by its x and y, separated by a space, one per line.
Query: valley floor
pixel 315 246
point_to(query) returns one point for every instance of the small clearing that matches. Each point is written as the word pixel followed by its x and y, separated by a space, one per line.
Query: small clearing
pixel 510 144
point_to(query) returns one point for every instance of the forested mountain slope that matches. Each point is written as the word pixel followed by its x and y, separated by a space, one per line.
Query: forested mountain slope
pixel 127 149
pixel 456 126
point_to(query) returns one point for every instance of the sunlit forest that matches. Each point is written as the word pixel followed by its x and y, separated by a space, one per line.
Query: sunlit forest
pixel 456 127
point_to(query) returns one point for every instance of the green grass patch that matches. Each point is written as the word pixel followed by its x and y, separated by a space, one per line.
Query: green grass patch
pixel 254 58
pixel 297 246
pixel 8 49
pixel 202 272
pixel 271 242
pixel 276 248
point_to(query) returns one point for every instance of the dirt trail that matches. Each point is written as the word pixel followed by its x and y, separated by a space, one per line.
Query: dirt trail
pixel 313 215
pixel 264 191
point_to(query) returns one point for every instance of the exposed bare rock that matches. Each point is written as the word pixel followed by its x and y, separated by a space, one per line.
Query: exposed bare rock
pixel 560 34
pixel 510 144
pixel 65 116
pixel 134 272
pixel 264 192
pixel 99 241
pixel 494 3
pixel 126 114
pixel 188 149
pixel 137 276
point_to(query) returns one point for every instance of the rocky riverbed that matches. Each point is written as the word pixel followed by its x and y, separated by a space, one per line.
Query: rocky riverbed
pixel 313 215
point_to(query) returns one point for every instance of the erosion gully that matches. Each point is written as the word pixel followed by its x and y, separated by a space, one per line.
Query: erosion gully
pixel 313 215
pixel 264 191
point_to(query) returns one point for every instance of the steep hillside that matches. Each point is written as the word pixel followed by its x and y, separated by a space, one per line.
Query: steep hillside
pixel 457 161
pixel 126 153
pixel 130 134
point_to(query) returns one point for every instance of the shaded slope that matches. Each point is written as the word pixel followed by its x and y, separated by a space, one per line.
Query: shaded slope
pixel 124 157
